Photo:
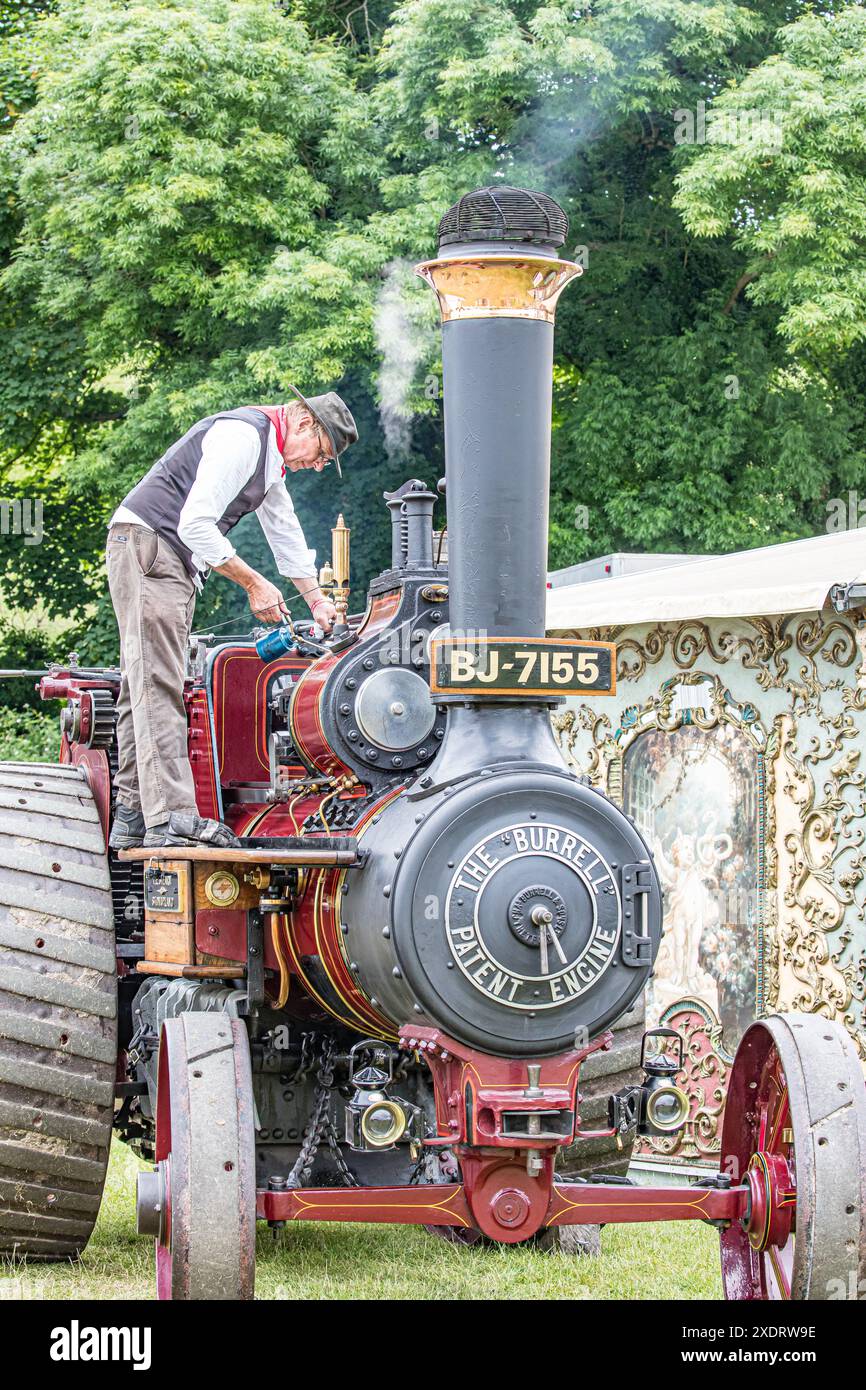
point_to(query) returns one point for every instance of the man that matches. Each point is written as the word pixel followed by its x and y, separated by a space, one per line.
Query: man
pixel 165 537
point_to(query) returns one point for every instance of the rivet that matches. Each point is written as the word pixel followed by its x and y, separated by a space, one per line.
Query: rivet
pixel 345 709
pixel 397 973
pixel 386 932
pixel 417 1008
pixel 353 965
pixel 351 683
pixel 386 891
pixel 368 663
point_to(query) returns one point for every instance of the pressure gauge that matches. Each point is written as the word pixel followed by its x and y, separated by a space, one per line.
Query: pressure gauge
pixel 221 888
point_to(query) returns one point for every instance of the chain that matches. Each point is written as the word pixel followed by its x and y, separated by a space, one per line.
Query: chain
pixel 349 1180
pixel 421 1169
pixel 305 1061
pixel 320 1126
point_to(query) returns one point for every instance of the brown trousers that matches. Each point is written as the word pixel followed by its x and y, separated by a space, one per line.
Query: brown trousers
pixel 154 600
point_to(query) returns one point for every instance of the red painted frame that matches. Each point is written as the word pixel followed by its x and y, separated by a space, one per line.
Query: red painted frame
pixel 447 1205
pixel 499 1195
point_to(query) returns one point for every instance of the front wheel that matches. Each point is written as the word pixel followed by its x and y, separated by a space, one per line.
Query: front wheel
pixel 794 1134
pixel 200 1201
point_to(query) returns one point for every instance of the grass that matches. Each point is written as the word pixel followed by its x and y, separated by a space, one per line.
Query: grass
pixel 678 1260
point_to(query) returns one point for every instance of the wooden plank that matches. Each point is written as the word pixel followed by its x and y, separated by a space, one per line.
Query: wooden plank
pixel 196 853
pixel 190 972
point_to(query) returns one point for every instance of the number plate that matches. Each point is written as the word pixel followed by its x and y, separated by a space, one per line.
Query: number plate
pixel 161 890
pixel 512 666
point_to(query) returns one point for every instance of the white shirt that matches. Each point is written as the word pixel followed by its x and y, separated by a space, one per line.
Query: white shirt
pixel 229 455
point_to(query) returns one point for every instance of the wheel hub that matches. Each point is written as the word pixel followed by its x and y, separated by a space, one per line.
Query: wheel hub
pixel 772 1200
pixel 152 1211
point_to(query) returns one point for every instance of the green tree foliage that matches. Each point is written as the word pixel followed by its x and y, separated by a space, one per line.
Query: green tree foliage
pixel 20 55
pixel 29 736
pixel 786 180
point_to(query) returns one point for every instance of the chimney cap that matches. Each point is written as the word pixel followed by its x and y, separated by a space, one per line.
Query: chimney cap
pixel 503 213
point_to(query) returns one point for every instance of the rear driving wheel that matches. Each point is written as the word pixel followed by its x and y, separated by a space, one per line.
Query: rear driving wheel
pixel 794 1135
pixel 200 1201
pixel 58 1011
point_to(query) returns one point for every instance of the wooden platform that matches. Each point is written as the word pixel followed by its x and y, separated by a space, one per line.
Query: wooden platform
pixel 300 850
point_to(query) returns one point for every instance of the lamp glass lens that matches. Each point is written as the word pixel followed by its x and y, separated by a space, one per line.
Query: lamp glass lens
pixel 666 1109
pixel 382 1125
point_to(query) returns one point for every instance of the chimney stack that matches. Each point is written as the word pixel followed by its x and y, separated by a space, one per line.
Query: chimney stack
pixel 498 277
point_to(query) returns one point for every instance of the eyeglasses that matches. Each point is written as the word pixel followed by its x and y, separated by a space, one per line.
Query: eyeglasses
pixel 323 458
pixel 310 424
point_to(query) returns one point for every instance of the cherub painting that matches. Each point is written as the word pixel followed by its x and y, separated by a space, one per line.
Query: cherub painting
pixel 693 793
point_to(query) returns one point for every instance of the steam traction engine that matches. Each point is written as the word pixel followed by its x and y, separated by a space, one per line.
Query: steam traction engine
pixel 381 1008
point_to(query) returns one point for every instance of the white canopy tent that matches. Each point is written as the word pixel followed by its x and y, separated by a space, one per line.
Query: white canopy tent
pixel 796 577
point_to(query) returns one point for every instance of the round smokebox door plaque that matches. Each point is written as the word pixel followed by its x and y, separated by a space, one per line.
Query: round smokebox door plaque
pixel 513 912
pixel 532 916
pixel 394 709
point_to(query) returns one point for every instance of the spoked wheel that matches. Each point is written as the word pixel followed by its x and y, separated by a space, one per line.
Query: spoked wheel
pixel 200 1201
pixel 794 1134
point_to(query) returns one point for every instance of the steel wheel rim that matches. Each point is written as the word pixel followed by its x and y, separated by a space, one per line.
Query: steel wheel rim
pixel 795 1135
pixel 205 1144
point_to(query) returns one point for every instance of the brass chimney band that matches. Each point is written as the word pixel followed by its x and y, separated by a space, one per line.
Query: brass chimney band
pixel 498 286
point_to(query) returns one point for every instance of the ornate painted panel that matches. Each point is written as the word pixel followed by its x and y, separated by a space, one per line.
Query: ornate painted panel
pixel 737 745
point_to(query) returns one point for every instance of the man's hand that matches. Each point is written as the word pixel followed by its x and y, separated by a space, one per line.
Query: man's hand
pixel 266 601
pixel 321 607
pixel 324 613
